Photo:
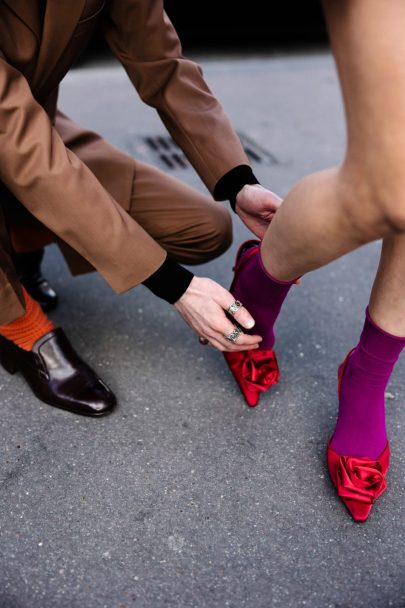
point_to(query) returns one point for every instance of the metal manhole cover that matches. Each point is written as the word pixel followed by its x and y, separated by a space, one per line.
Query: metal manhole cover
pixel 164 151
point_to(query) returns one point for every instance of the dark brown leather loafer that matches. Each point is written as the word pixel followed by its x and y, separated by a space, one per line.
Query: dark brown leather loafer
pixel 58 376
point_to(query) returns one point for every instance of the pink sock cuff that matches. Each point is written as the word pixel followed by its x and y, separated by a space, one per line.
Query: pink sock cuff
pixel 380 329
pixel 271 276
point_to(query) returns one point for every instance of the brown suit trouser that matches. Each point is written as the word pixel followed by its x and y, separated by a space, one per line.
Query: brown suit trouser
pixel 189 225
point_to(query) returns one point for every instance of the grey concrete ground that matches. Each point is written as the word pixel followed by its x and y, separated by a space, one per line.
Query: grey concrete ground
pixel 185 497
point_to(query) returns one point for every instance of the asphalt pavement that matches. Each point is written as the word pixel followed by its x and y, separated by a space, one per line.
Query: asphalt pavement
pixel 184 497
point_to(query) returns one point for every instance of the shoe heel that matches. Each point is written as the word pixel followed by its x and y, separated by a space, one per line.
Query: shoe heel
pixel 8 365
pixel 342 369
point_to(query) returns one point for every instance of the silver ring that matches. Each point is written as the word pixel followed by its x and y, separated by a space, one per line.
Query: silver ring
pixel 234 307
pixel 234 335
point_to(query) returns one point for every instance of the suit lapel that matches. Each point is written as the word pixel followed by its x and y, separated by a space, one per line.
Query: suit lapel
pixel 28 13
pixel 61 18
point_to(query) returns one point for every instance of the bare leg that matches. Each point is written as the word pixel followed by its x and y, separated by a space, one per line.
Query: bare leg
pixel 387 302
pixel 335 211
pixel 360 430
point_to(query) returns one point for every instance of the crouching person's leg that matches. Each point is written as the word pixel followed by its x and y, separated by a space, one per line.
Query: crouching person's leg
pixel 32 345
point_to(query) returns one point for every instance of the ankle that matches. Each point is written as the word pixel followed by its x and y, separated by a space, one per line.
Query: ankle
pixel 260 293
pixel 28 328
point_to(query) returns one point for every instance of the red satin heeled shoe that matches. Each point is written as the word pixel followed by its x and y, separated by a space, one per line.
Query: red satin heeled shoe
pixel 256 370
pixel 358 481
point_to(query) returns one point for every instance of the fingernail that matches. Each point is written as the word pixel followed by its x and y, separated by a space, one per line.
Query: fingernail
pixel 250 324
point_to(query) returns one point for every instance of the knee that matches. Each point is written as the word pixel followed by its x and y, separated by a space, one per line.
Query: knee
pixel 223 233
pixel 392 204
pixel 389 207
pixel 375 204
pixel 217 233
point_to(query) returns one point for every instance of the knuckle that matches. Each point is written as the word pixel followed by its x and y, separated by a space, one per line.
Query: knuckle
pixel 225 330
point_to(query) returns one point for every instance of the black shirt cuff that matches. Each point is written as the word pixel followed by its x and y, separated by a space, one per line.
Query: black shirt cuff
pixel 232 182
pixel 170 281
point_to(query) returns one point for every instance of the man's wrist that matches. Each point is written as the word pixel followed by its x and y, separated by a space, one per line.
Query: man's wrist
pixel 232 183
pixel 170 281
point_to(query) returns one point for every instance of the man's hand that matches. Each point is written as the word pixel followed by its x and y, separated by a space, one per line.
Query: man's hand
pixel 203 307
pixel 256 207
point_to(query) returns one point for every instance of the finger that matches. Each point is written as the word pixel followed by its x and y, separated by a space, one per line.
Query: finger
pixel 234 308
pixel 244 317
pixel 219 338
pixel 217 344
pixel 276 200
pixel 243 339
pixel 248 341
pixel 222 344
pixel 229 347
pixel 227 328
pixel 234 348
pixel 240 342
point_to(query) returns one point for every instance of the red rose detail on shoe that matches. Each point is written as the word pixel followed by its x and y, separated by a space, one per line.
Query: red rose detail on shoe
pixel 360 479
pixel 254 370
pixel 260 368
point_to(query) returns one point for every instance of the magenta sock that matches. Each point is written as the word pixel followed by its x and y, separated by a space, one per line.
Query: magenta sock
pixel 360 429
pixel 261 294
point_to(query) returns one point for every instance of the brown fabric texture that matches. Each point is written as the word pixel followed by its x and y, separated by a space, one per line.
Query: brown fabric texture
pixel 68 177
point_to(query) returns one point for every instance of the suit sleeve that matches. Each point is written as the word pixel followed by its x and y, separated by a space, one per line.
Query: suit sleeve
pixel 63 194
pixel 144 40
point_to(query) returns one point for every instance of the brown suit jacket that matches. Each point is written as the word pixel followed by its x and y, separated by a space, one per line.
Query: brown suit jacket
pixel 52 182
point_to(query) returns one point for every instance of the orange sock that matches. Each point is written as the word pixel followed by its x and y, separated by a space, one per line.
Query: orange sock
pixel 26 330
